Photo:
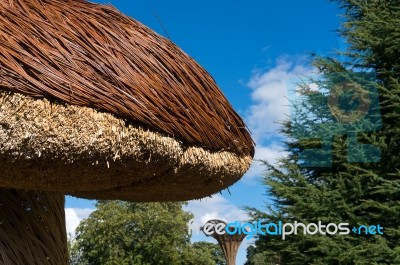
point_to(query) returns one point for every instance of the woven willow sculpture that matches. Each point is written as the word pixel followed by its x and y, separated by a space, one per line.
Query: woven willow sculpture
pixel 96 105
pixel 229 243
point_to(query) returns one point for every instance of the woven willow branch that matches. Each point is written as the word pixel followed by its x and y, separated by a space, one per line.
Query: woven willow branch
pixel 92 55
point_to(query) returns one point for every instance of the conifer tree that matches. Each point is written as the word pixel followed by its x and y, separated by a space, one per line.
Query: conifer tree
pixel 358 187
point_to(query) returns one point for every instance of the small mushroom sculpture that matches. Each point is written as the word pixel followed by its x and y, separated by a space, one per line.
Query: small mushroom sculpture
pixel 229 242
pixel 96 105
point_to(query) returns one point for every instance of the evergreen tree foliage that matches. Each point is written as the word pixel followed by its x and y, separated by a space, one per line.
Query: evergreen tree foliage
pixel 358 193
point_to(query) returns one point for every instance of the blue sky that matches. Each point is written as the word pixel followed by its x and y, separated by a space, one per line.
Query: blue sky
pixel 252 49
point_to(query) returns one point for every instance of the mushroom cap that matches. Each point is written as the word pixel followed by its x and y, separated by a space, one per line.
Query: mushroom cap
pixel 96 105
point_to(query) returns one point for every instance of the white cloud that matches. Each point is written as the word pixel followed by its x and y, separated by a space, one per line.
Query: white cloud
pixel 215 207
pixel 73 216
pixel 269 96
pixel 270 153
pixel 270 106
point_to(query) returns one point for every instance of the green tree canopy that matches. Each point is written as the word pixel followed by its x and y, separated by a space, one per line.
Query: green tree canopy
pixel 124 233
pixel 359 192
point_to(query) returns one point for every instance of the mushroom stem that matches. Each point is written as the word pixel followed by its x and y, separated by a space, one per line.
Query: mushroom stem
pixel 32 228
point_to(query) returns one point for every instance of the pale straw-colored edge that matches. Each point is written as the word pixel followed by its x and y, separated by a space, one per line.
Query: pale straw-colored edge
pixel 76 149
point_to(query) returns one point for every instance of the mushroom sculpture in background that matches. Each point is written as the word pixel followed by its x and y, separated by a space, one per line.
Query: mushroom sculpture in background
pixel 96 105
pixel 229 243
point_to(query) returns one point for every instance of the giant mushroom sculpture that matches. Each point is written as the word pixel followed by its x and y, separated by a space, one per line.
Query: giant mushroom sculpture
pixel 96 105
